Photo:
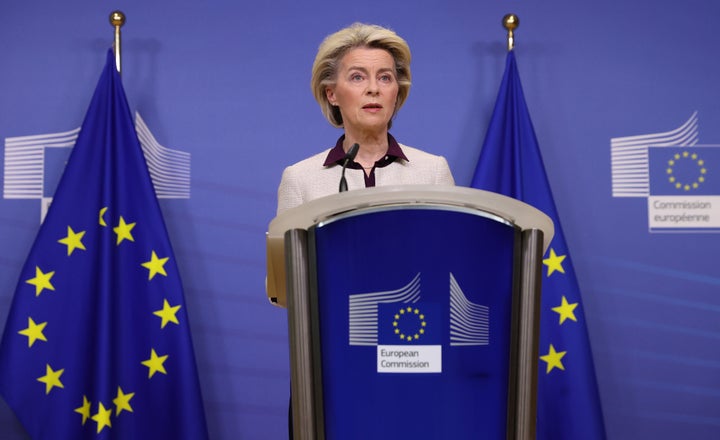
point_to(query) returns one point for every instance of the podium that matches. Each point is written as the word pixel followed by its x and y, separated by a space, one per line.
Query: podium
pixel 413 312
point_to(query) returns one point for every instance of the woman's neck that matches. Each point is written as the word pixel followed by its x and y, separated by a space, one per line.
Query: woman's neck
pixel 373 146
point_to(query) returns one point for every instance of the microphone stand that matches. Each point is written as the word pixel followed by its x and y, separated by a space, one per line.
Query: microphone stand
pixel 352 152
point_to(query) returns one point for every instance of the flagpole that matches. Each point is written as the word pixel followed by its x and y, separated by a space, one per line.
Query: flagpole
pixel 117 19
pixel 511 22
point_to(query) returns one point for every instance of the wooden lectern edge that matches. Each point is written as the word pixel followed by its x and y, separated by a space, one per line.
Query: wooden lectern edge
pixel 308 214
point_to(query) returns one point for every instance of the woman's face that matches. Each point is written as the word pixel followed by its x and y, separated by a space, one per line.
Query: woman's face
pixel 366 89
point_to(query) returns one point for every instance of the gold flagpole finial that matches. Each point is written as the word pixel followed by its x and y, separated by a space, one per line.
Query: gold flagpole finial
pixel 117 19
pixel 511 22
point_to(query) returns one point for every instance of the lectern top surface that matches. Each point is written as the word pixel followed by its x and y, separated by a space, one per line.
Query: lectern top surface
pixel 513 211
pixel 506 209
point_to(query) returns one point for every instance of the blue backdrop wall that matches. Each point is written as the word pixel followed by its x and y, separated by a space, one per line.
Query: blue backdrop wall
pixel 228 82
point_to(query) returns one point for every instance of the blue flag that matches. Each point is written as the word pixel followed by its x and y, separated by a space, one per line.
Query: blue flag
pixel 510 164
pixel 97 342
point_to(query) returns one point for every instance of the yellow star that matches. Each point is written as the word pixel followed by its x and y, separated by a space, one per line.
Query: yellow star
pixel 554 262
pixel 51 378
pixel 41 281
pixel 167 314
pixel 73 241
pixel 102 417
pixel 122 401
pixel 553 359
pixel 84 410
pixel 34 332
pixel 155 265
pixel 566 310
pixel 123 231
pixel 101 220
pixel 155 363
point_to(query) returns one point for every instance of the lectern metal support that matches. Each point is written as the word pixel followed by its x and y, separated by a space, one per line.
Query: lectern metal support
pixel 301 327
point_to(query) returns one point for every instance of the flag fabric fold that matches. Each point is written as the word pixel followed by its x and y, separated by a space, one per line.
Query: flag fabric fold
pixel 97 342
pixel 510 163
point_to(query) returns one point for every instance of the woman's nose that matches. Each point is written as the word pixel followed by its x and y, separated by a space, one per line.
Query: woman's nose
pixel 373 88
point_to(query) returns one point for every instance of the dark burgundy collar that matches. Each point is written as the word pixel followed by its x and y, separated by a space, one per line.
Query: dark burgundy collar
pixel 337 154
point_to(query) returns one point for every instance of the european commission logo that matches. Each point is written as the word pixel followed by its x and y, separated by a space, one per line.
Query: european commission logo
pixel 409 332
pixel 34 165
pixel 679 178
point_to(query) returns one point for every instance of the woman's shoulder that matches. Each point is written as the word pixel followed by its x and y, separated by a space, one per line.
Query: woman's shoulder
pixel 413 153
pixel 314 162
pixel 432 168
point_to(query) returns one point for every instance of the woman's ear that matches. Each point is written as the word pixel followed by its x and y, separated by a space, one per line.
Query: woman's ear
pixel 330 94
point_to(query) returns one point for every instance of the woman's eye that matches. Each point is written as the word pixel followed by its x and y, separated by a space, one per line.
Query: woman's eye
pixel 356 77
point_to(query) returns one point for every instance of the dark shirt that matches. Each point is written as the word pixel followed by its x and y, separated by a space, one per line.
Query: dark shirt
pixel 337 155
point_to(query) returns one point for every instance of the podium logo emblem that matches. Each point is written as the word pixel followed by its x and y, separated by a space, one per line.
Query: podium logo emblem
pixel 409 331
pixel 409 324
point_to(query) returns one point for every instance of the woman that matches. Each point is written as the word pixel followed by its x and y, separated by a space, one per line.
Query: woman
pixel 361 78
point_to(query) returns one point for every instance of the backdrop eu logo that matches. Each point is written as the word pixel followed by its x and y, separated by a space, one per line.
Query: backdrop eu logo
pixel 684 170
pixel 679 178
pixel 34 164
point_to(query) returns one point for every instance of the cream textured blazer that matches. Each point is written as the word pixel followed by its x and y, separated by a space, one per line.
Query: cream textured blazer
pixel 309 179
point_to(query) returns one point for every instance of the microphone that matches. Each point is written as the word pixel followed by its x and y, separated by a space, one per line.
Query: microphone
pixel 352 152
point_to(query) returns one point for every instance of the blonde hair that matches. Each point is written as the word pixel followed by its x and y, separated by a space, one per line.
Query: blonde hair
pixel 335 46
